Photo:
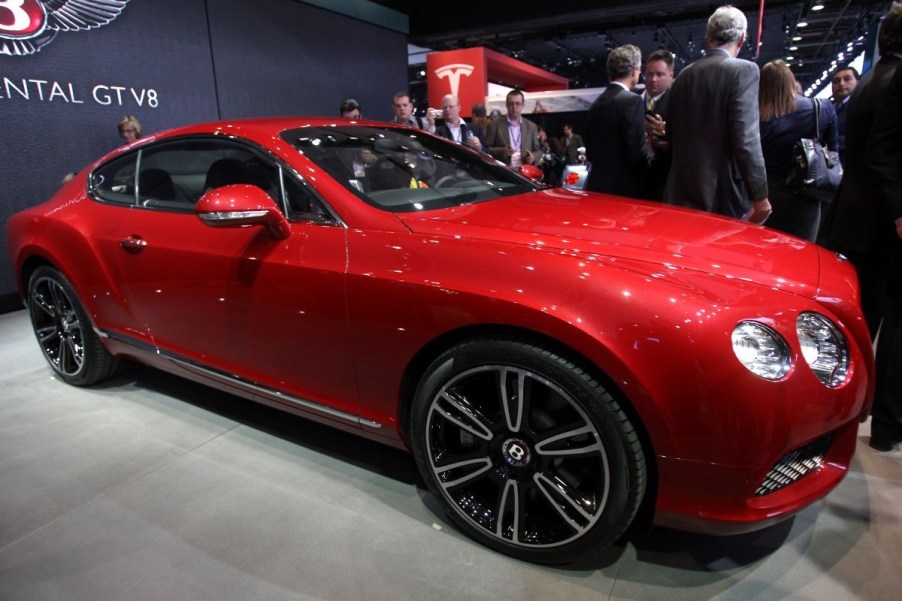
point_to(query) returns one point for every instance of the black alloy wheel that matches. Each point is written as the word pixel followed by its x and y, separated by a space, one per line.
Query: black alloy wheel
pixel 528 453
pixel 64 331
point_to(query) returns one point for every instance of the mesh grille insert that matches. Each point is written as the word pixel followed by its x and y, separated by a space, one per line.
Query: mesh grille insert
pixel 795 465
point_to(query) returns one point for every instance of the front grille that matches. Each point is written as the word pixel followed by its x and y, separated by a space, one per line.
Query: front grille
pixel 795 465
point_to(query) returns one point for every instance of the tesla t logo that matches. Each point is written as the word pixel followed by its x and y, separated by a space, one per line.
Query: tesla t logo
pixel 453 73
pixel 26 26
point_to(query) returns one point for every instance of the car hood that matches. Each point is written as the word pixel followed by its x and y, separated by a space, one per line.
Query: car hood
pixel 580 224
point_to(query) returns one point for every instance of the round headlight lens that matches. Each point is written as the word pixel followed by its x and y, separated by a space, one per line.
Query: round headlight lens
pixel 824 348
pixel 761 350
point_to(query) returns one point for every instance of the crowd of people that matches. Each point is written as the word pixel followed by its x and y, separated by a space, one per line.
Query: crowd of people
pixel 720 137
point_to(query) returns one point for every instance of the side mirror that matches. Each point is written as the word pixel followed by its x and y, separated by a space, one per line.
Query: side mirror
pixel 242 205
pixel 531 171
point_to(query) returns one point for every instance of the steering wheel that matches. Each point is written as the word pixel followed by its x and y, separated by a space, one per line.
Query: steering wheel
pixel 445 180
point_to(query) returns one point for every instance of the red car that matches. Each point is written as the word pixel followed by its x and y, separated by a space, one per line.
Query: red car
pixel 556 360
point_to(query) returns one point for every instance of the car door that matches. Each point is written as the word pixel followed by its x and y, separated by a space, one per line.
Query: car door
pixel 237 301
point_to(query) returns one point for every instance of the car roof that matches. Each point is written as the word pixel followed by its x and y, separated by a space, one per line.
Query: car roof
pixel 267 126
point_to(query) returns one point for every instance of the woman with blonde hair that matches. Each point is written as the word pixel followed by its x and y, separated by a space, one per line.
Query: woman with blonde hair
pixel 129 128
pixel 786 116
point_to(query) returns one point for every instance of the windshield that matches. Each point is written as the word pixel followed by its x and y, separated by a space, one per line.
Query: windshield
pixel 402 170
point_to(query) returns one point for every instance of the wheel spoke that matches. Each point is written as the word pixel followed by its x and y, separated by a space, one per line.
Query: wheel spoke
pixel 513 397
pixel 46 334
pixel 60 302
pixel 566 501
pixel 508 512
pixel 75 355
pixel 472 468
pixel 62 355
pixel 581 441
pixel 455 409
pixel 41 302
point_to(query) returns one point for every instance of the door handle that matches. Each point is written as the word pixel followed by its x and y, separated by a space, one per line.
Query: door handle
pixel 133 244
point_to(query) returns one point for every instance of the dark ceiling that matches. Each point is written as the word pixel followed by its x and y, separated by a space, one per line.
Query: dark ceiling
pixel 572 37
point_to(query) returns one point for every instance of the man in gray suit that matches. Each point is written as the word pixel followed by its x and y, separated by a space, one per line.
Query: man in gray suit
pixel 615 136
pixel 513 139
pixel 713 128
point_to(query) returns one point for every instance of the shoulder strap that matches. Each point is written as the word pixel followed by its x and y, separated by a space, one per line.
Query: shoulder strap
pixel 817 125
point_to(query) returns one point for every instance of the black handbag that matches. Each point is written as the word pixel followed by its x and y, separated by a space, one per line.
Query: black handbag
pixel 816 171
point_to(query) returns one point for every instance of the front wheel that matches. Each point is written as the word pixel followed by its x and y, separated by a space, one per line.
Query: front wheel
pixel 64 331
pixel 529 454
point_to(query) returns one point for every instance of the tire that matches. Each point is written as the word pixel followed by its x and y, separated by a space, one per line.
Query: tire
pixel 64 331
pixel 554 474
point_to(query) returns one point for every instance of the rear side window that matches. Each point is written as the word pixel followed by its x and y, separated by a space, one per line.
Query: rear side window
pixel 115 181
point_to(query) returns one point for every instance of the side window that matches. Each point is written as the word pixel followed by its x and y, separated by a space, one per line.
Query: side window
pixel 301 202
pixel 115 181
pixel 174 175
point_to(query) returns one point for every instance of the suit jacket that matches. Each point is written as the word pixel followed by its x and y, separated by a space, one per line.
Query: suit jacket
pixel 468 130
pixel 497 138
pixel 714 138
pixel 884 151
pixel 840 108
pixel 615 139
pixel 655 180
pixel 571 155
pixel 857 213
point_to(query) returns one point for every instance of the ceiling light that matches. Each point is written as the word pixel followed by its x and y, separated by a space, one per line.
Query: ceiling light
pixel 817 6
pixel 802 24
pixel 797 38
pixel 793 48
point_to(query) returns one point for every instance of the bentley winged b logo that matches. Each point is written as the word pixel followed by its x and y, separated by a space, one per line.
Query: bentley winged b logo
pixel 453 73
pixel 26 26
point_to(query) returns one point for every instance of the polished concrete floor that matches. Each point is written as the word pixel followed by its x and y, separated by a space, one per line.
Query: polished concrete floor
pixel 152 488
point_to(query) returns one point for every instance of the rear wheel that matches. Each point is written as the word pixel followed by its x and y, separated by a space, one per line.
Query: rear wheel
pixel 64 331
pixel 528 452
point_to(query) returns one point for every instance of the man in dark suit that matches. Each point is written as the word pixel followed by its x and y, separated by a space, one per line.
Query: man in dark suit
pixel 615 137
pixel 842 83
pixel 864 222
pixel 513 139
pixel 658 79
pixel 455 128
pixel 570 145
pixel 713 128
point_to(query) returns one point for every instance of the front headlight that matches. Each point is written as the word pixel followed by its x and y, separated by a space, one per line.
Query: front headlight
pixel 761 350
pixel 824 348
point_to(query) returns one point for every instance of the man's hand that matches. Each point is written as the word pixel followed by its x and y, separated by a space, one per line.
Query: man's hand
pixel 899 227
pixel 655 126
pixel 761 210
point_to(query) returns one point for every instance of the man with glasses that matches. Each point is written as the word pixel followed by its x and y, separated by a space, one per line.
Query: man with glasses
pixel 513 139
pixel 455 128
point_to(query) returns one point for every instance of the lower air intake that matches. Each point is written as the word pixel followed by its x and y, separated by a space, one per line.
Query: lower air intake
pixel 795 465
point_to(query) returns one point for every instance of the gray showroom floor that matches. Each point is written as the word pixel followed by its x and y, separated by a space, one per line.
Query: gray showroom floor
pixel 153 488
